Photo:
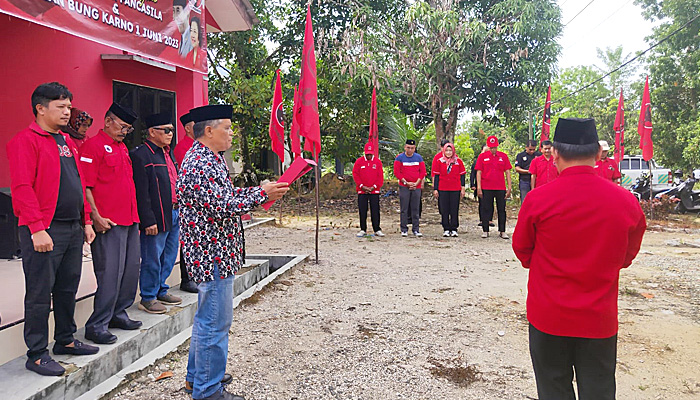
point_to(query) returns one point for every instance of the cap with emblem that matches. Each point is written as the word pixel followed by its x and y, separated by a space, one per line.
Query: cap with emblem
pixel 211 112
pixel 186 119
pixel 578 131
pixel 158 120
pixel 124 113
pixel 369 149
pixel 492 141
pixel 410 142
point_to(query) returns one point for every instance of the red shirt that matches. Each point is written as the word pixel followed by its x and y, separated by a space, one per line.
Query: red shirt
pixel 608 169
pixel 172 173
pixel 35 175
pixel 435 161
pixel 492 168
pixel 109 174
pixel 544 170
pixel 181 149
pixel 409 168
pixel 452 180
pixel 368 173
pixel 575 234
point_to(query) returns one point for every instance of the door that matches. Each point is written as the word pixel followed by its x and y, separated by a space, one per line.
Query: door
pixel 144 101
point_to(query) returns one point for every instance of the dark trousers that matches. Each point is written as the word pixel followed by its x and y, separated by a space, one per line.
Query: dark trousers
pixel 448 200
pixel 556 358
pixel 409 201
pixel 116 260
pixel 370 201
pixel 51 275
pixel 487 202
pixel 184 276
pixel 525 188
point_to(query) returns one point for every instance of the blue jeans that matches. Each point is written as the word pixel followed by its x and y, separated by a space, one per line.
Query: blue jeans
pixel 209 343
pixel 158 255
pixel 524 187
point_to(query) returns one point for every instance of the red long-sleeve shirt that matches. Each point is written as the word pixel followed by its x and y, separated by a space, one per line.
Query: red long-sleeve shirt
pixel 575 234
pixel 368 173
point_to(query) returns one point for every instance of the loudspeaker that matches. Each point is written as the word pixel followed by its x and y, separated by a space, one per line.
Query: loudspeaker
pixel 9 233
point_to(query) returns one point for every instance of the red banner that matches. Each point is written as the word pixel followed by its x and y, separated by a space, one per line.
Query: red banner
pixel 169 31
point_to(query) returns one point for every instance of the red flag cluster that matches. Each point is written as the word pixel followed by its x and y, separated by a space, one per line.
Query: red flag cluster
pixel 644 127
pixel 277 121
pixel 373 125
pixel 619 129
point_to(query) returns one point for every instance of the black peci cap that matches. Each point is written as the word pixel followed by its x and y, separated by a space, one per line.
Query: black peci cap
pixel 578 131
pixel 211 112
pixel 186 119
pixel 124 113
pixel 158 120
pixel 410 142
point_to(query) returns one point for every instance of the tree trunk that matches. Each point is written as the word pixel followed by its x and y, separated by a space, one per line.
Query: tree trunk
pixel 439 124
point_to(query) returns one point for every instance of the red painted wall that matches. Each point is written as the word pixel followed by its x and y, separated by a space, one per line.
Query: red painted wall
pixel 34 55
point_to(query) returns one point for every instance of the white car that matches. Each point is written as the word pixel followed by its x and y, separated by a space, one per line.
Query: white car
pixel 632 168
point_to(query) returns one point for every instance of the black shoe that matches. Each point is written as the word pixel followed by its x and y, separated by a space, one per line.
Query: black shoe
pixel 101 337
pixel 492 224
pixel 79 349
pixel 128 325
pixel 225 381
pixel 47 366
pixel 189 286
pixel 223 395
pixel 479 224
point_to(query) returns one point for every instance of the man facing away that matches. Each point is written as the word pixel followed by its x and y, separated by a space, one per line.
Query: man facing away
pixel 606 167
pixel 574 267
pixel 48 197
pixel 368 174
pixel 116 250
pixel 543 170
pixel 155 176
pixel 522 166
pixel 212 243
pixel 409 169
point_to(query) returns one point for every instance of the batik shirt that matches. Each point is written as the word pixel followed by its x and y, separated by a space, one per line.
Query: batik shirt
pixel 210 228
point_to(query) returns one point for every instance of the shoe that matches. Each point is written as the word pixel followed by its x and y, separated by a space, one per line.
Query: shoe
pixel 503 235
pixel 417 234
pixel 223 395
pixel 484 235
pixel 404 234
pixel 454 234
pixel 446 234
pixel 379 234
pixel 152 307
pixel 101 337
pixel 492 224
pixel 479 224
pixel 169 299
pixel 189 286
pixel 361 234
pixel 128 325
pixel 78 349
pixel 225 381
pixel 47 366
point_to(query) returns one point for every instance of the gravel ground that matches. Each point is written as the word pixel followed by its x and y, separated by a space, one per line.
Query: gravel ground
pixel 432 318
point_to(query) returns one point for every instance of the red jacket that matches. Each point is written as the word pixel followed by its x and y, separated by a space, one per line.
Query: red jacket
pixel 368 173
pixel 575 234
pixel 35 175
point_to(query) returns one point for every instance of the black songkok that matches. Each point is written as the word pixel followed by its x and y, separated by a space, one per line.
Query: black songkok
pixel 578 131
pixel 186 119
pixel 158 120
pixel 211 112
pixel 124 113
pixel 411 142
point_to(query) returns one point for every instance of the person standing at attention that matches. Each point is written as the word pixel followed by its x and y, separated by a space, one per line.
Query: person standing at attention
pixel 409 169
pixel 368 174
pixel 542 169
pixel 436 159
pixel 522 166
pixel 575 267
pixel 491 185
pixel 449 180
pixel 606 167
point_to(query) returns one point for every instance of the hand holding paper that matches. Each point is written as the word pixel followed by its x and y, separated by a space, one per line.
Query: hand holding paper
pixel 275 190
pixel 299 167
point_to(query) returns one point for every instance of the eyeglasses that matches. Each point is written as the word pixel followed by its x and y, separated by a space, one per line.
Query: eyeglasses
pixel 126 129
pixel 166 130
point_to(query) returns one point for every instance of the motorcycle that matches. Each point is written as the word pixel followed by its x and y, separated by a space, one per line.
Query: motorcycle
pixel 641 188
pixel 688 199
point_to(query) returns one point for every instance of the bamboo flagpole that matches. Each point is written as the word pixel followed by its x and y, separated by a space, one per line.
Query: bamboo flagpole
pixel 318 201
pixel 282 199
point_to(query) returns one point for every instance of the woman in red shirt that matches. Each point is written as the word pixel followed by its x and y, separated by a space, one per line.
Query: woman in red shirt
pixel 449 180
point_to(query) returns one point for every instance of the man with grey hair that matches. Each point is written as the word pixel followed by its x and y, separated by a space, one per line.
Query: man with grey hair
pixel 211 238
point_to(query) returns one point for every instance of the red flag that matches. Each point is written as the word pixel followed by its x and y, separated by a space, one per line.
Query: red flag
pixel 546 119
pixel 619 129
pixel 309 124
pixel 277 121
pixel 373 126
pixel 644 127
pixel 294 134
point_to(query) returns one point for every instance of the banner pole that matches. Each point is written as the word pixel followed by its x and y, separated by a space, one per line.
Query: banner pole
pixel 651 192
pixel 318 181
pixel 282 199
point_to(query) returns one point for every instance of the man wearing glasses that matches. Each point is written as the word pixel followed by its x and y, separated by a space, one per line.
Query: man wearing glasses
pixel 116 250
pixel 155 176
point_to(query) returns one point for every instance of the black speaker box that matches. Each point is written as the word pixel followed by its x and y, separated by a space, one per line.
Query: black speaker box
pixel 9 233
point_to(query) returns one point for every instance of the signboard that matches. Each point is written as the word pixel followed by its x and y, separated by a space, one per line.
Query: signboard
pixel 171 31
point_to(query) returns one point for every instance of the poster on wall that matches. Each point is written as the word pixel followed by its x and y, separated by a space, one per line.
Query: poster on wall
pixel 171 31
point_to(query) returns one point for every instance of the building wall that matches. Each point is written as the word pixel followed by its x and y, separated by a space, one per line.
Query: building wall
pixel 34 54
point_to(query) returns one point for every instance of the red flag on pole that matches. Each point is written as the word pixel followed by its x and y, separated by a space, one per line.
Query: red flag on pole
pixel 294 134
pixel 644 127
pixel 619 129
pixel 546 119
pixel 276 121
pixel 309 123
pixel 373 126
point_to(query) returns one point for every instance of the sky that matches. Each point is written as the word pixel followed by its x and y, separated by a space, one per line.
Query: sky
pixel 603 23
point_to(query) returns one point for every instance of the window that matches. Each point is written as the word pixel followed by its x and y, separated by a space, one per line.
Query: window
pixel 635 163
pixel 645 165
pixel 625 164
pixel 144 101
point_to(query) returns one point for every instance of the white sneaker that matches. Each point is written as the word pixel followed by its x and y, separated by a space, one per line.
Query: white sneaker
pixel 503 235
pixel 361 234
pixel 417 234
pixel 446 234
pixel 404 234
pixel 379 234
pixel 484 235
pixel 454 234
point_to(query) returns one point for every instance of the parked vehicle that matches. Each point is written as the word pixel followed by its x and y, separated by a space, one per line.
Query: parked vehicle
pixel 689 199
pixel 641 187
pixel 632 168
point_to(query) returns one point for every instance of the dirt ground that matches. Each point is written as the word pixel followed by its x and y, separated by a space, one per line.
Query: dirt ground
pixel 434 317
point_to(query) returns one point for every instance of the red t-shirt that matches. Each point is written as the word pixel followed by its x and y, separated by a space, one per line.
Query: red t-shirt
pixel 181 149
pixel 109 174
pixel 608 169
pixel 575 242
pixel 492 168
pixel 368 173
pixel 544 170
pixel 452 180
pixel 435 161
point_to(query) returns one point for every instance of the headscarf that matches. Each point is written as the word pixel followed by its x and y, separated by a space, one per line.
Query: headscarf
pixel 78 118
pixel 451 160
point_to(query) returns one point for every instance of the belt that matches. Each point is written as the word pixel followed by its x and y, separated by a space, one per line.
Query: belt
pixel 175 206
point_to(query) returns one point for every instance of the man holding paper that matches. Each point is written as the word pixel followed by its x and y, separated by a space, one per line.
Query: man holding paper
pixel 211 238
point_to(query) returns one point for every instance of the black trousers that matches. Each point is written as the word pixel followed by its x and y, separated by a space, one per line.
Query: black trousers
pixel 556 358
pixel 448 200
pixel 487 203
pixel 372 201
pixel 51 275
pixel 184 276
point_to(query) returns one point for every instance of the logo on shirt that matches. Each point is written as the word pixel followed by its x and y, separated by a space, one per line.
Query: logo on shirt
pixel 525 158
pixel 108 148
pixel 64 151
pixel 374 166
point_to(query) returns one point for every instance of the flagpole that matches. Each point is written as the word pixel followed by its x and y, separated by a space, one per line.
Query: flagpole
pixel 318 181
pixel 282 199
pixel 651 191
